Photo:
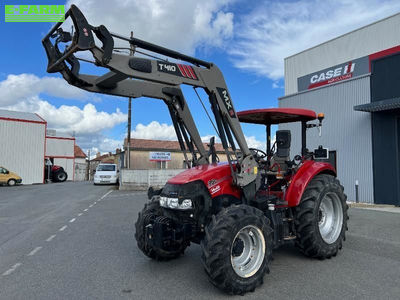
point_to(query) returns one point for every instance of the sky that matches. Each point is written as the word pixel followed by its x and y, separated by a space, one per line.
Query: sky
pixel 247 39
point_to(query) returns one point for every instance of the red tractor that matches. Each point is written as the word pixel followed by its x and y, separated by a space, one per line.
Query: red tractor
pixel 53 172
pixel 297 200
pixel 238 211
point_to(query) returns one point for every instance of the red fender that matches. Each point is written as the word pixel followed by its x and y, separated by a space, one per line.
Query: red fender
pixel 303 177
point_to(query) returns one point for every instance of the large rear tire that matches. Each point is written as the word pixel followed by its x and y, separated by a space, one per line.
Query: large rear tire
pixel 149 213
pixel 321 218
pixel 237 248
pixel 60 176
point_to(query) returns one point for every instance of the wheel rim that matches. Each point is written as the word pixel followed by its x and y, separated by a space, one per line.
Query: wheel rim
pixel 330 218
pixel 248 251
pixel 11 182
pixel 61 176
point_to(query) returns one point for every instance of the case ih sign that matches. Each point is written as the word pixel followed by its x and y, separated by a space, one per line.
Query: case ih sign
pixel 345 71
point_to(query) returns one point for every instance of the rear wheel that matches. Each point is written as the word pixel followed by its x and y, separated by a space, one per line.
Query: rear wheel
pixel 60 176
pixel 150 212
pixel 237 248
pixel 11 182
pixel 321 218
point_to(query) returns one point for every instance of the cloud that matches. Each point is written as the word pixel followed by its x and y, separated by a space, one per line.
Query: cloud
pixel 276 85
pixel 71 119
pixel 154 131
pixel 21 92
pixel 98 143
pixel 252 142
pixel 180 25
pixel 275 30
pixel 18 87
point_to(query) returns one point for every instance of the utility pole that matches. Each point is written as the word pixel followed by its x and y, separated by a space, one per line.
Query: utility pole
pixel 88 167
pixel 131 52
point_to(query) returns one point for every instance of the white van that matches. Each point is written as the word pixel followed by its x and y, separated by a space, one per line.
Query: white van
pixel 106 173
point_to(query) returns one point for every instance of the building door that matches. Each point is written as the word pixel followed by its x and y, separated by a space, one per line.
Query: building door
pixel 385 87
pixel 398 161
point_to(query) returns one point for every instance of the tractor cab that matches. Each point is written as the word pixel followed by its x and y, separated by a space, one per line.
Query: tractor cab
pixel 275 165
pixel 277 156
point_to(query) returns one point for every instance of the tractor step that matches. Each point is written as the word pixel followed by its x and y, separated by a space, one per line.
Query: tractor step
pixel 289 238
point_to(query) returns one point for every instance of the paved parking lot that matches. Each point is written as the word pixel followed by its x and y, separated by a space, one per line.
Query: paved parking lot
pixel 75 241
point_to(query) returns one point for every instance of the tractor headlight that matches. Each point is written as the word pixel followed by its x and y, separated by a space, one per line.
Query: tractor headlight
pixel 173 203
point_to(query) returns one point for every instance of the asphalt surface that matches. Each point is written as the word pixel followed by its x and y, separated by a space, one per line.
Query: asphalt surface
pixel 95 255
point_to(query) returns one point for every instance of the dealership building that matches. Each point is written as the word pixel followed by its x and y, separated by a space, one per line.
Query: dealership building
pixel 355 80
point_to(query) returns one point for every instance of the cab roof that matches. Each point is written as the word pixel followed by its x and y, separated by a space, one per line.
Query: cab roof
pixel 276 115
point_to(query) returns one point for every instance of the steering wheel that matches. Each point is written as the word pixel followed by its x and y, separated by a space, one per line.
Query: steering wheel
pixel 258 154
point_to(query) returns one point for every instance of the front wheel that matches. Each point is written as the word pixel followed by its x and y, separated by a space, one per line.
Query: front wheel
pixel 321 218
pixel 237 248
pixel 147 216
pixel 11 182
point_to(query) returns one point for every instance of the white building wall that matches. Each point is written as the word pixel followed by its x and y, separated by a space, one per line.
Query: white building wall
pixel 61 149
pixel 372 38
pixel 57 147
pixel 80 169
pixel 22 149
pixel 344 130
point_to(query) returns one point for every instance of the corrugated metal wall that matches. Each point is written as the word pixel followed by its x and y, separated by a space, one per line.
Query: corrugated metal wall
pixel 22 149
pixel 376 37
pixel 344 130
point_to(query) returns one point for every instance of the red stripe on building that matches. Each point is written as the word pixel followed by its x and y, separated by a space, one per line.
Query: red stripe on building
pixel 73 166
pixel 382 53
pixel 60 138
pixel 60 156
pixel 44 154
pixel 22 120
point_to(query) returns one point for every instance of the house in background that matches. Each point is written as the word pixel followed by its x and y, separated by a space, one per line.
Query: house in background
pixel 157 154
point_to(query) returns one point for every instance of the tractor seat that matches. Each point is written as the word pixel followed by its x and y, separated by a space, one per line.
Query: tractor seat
pixel 282 154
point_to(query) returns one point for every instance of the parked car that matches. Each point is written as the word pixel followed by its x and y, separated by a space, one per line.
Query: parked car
pixel 106 173
pixel 10 178
pixel 54 172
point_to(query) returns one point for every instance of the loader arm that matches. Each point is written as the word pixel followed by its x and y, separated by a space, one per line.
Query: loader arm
pixel 131 76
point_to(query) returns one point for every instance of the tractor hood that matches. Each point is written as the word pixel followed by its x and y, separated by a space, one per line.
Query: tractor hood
pixel 216 177
pixel 203 172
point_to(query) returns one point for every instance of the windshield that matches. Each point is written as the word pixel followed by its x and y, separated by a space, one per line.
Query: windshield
pixel 106 168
